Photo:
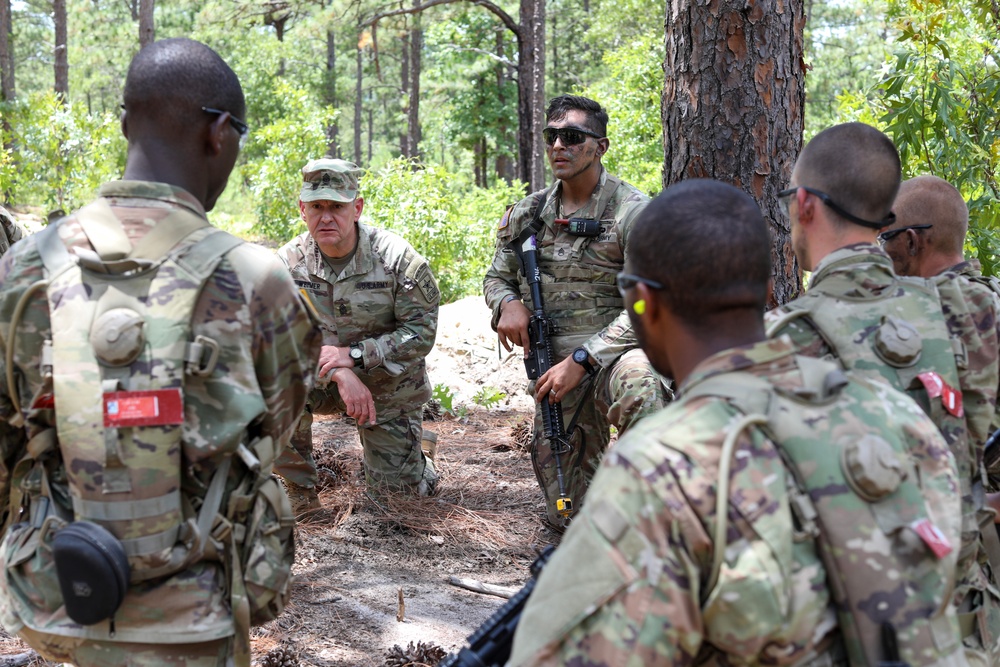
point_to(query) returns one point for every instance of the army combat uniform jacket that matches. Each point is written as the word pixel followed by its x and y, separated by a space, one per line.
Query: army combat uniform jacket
pixel 267 352
pixel 386 301
pixel 631 582
pixel 861 290
pixel 10 231
pixel 578 274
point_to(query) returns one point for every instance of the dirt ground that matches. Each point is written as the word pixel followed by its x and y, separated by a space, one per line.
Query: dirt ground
pixel 356 559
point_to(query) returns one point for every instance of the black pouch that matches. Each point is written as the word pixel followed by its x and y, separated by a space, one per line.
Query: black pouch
pixel 93 571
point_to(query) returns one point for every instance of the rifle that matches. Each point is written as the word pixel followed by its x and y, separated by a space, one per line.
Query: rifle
pixel 539 360
pixel 490 644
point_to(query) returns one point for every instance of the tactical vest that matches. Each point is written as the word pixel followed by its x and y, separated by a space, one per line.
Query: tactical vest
pixel 923 362
pixel 573 279
pixel 869 504
pixel 120 351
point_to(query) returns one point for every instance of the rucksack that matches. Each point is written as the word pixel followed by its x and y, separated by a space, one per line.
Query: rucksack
pixel 118 359
pixel 879 514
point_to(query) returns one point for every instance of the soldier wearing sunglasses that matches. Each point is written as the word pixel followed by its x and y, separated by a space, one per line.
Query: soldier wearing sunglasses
pixel 933 339
pixel 582 223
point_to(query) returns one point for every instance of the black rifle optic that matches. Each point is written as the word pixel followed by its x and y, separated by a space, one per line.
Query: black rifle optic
pixel 490 644
pixel 539 360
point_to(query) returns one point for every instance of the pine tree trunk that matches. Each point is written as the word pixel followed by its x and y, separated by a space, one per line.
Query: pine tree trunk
pixel 416 44
pixel 6 53
pixel 147 29
pixel 60 55
pixel 531 93
pixel 332 146
pixel 733 106
pixel 357 107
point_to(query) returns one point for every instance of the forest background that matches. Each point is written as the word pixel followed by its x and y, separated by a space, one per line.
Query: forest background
pixel 433 97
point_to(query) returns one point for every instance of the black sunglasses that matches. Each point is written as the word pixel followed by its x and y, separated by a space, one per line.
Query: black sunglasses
pixel 570 136
pixel 893 233
pixel 241 128
pixel 825 198
pixel 627 281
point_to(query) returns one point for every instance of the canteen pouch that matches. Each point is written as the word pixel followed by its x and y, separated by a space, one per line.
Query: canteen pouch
pixel 92 569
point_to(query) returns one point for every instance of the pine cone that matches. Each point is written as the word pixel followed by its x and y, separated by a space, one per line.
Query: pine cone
pixel 415 656
pixel 432 410
pixel 520 437
pixel 281 656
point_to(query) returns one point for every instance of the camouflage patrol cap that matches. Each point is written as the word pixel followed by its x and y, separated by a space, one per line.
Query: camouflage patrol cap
pixel 330 179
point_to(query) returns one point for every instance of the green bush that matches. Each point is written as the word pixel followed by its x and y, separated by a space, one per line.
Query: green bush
pixel 448 220
pixel 57 155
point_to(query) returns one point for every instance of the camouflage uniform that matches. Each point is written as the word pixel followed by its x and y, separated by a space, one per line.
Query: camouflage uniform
pixel 268 347
pixel 860 291
pixel 386 300
pixel 578 288
pixel 10 231
pixel 646 596
pixel 971 270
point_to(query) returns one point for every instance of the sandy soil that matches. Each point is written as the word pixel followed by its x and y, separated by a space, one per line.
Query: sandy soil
pixel 355 558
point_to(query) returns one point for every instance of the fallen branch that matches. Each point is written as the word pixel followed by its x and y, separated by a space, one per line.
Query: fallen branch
pixel 19 660
pixel 480 587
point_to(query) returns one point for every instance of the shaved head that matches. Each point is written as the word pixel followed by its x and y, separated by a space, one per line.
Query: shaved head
pixel 856 165
pixel 708 245
pixel 169 81
pixel 929 200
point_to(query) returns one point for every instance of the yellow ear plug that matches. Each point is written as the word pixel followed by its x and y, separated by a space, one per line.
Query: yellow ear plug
pixel 639 306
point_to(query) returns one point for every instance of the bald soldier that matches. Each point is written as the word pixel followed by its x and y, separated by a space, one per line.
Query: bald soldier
pixel 158 365
pixel 377 302
pixel 925 337
pixel 702 541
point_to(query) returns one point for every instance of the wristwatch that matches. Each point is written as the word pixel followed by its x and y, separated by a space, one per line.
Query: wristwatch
pixel 582 357
pixel 357 353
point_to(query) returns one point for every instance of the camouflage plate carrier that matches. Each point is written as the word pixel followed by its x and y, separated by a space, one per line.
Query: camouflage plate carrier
pixel 120 462
pixel 872 506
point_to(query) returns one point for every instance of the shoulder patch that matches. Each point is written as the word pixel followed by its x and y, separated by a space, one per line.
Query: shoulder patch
pixel 505 218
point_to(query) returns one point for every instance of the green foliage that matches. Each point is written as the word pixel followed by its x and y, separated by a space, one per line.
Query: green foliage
pixel 487 397
pixel 59 154
pixel 276 154
pixel 631 94
pixel 938 101
pixel 443 216
pixel 444 395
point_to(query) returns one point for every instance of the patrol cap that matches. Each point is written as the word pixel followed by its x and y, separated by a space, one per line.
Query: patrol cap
pixel 330 179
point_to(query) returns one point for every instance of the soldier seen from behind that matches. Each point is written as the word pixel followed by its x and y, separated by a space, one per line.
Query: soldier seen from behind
pixel 934 339
pixel 377 302
pixel 159 364
pixel 724 529
pixel 582 225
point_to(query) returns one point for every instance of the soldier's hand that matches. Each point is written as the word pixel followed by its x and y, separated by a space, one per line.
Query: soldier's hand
pixel 513 325
pixel 332 357
pixel 559 380
pixel 356 397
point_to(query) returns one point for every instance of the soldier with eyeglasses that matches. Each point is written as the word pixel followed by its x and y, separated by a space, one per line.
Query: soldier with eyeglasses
pixel 582 224
pixel 928 337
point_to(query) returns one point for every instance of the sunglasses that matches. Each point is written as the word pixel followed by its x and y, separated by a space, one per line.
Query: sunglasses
pixel 893 233
pixel 570 136
pixel 241 128
pixel 825 198
pixel 627 281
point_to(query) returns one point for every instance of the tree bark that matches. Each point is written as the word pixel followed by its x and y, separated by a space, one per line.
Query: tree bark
pixel 6 53
pixel 404 86
pixel 531 93
pixel 60 54
pixel 147 28
pixel 733 106
pixel 416 44
pixel 332 146
pixel 359 77
pixel 504 165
